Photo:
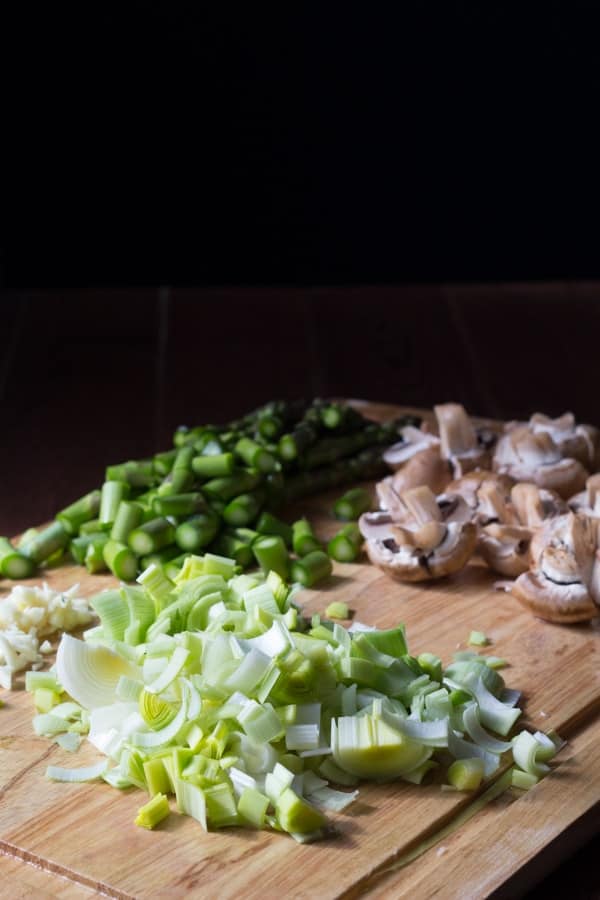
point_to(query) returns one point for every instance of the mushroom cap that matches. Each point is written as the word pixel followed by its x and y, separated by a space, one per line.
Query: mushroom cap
pixel 563 603
pixel 487 494
pixel 577 441
pixel 425 467
pixel 505 548
pixel 459 441
pixel 533 505
pixel 414 440
pixel 588 501
pixel 573 532
pixel 534 457
pixel 406 562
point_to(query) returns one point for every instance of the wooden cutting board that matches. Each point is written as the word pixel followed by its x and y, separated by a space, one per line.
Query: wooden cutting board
pixel 82 839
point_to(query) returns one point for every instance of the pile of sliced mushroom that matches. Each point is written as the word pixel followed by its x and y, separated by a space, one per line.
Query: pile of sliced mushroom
pixel 525 500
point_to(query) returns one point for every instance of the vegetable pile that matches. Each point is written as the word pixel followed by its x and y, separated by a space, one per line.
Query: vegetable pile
pixel 217 489
pixel 213 688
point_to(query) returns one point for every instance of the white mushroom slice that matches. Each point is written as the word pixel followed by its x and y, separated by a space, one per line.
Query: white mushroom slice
pixel 564 603
pixel 575 533
pixel 388 498
pixel 459 443
pixel 505 548
pixel 414 441
pixel 486 494
pixel 577 441
pixel 559 565
pixel 526 456
pixel 533 505
pixel 588 501
pixel 426 467
pixel 376 525
pixel 406 562
pixel 422 504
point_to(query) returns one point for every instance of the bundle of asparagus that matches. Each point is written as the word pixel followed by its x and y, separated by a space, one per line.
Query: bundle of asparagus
pixel 216 489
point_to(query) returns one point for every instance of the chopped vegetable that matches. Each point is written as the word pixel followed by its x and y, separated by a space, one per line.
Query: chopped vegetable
pixel 352 504
pixel 337 610
pixel 478 639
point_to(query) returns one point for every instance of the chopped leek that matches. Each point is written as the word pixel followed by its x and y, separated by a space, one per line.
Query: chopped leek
pixel 214 688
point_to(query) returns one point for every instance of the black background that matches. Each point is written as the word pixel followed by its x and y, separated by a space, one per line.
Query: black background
pixel 184 144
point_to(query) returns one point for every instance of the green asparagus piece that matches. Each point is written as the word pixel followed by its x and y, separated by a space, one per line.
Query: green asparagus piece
pixel 232 485
pixel 329 450
pixel 121 560
pixel 13 563
pixel 197 531
pixel 94 554
pixel 112 494
pixel 46 542
pixel 163 462
pixel 233 547
pixel 255 456
pixel 269 426
pixel 345 546
pixel 179 504
pixel 82 510
pixel 129 515
pixel 311 569
pixel 151 536
pixel 78 546
pixel 93 527
pixel 243 509
pixel 352 505
pixel 292 445
pixel 270 524
pixel 137 473
pixel 213 466
pixel 304 540
pixel 161 557
pixel 271 555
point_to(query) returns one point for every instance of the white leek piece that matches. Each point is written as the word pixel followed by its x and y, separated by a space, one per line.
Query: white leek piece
pixel 87 773
pixel 90 673
pixel 525 752
pixel 478 734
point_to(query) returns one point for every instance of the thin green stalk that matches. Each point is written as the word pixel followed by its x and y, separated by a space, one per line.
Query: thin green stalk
pixel 82 510
pixel 179 504
pixel 121 560
pixel 213 466
pixel 244 509
pixel 46 542
pixel 311 569
pixel 138 473
pixel 271 555
pixel 13 563
pixel 346 545
pixel 197 531
pixel 129 515
pixel 269 524
pixel 353 504
pixel 255 456
pixel 152 536
pixel 304 540
pixel 230 486
pixel 112 493
pixel 94 554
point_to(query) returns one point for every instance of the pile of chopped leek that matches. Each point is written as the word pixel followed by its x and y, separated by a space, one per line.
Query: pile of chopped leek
pixel 214 690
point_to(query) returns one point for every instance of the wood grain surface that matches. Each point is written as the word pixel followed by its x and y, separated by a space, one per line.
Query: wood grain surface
pixel 81 838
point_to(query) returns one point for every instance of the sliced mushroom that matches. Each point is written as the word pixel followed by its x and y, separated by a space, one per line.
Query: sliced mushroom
pixel 533 456
pixel 487 495
pixel 414 441
pixel 459 442
pixel 426 544
pixel 426 467
pixel 577 441
pixel 566 604
pixel 534 505
pixel 588 501
pixel 559 585
pixel 505 548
